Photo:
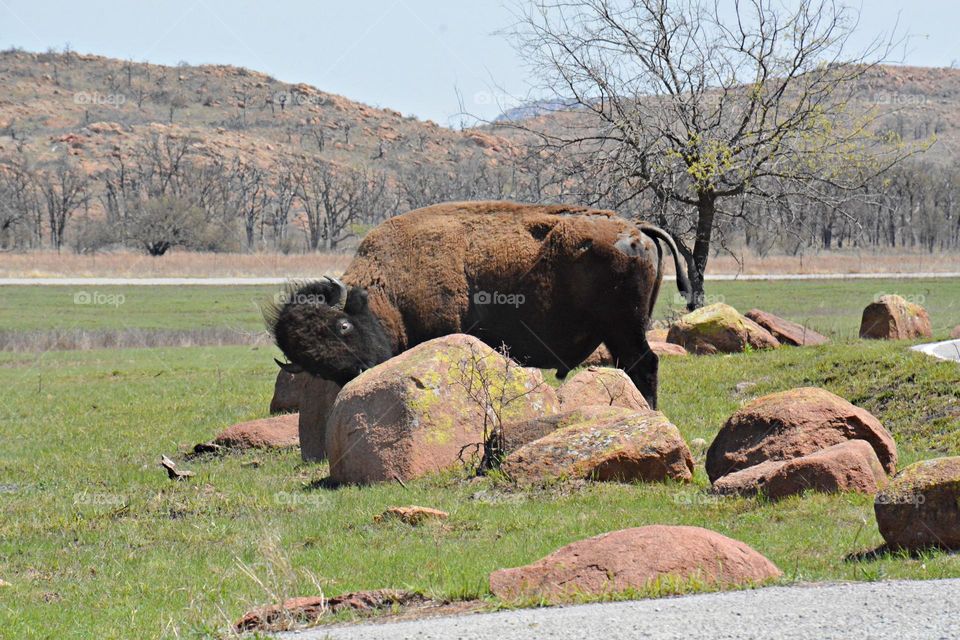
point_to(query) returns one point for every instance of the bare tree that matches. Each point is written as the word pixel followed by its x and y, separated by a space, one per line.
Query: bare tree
pixel 334 199
pixel 698 104
pixel 64 189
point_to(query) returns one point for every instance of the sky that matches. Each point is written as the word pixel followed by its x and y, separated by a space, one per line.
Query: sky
pixel 420 57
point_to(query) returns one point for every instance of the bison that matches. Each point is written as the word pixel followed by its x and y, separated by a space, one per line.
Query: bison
pixel 550 282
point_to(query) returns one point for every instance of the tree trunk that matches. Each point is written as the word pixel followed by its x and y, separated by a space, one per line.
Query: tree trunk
pixel 706 212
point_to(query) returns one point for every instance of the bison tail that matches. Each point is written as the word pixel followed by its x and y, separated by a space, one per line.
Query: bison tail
pixel 683 282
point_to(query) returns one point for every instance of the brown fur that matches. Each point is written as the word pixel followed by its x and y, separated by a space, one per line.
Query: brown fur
pixel 579 276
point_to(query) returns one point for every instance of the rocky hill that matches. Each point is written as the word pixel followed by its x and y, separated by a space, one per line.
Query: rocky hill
pixel 90 107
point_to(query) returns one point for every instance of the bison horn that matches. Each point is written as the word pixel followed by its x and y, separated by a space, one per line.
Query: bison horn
pixel 342 295
pixel 289 367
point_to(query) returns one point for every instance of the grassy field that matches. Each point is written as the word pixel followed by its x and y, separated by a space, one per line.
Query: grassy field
pixel 832 307
pixel 95 541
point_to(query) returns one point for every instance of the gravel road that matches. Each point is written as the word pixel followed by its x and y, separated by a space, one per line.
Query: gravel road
pixel 904 610
pixel 948 350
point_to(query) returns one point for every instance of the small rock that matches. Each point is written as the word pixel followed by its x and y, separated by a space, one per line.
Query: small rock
pixel 849 466
pixel 4 583
pixel 794 423
pixel 955 334
pixel 307 610
pixel 605 443
pixel 278 432
pixel 634 559
pixel 172 471
pixel 921 506
pixel 893 318
pixel 599 358
pixel 601 386
pixel 412 515
pixel 719 328
pixel 785 331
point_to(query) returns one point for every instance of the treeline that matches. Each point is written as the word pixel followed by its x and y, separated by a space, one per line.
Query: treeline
pixel 169 192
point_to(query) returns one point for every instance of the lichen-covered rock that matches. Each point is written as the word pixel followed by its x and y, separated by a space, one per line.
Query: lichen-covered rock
pixel 316 400
pixel 921 506
pixel 785 331
pixel 604 443
pixel 719 328
pixel 634 559
pixel 893 318
pixel 601 386
pixel 794 423
pixel 415 413
pixel 667 349
pixel 849 466
pixel 278 432
pixel 286 393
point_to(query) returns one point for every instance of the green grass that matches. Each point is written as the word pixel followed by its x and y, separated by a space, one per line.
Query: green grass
pixel 831 306
pixel 97 542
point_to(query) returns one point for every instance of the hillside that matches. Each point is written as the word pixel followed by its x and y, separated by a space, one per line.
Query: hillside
pixel 916 102
pixel 91 106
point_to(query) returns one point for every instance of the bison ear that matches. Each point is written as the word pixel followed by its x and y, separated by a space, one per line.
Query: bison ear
pixel 356 301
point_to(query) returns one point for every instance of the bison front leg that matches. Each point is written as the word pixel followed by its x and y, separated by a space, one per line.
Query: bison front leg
pixel 639 362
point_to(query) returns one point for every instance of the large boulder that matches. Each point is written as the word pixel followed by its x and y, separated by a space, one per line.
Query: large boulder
pixel 794 423
pixel 604 443
pixel 286 392
pixel 719 328
pixel 316 400
pixel 667 349
pixel 893 318
pixel 849 466
pixel 657 335
pixel 425 409
pixel 278 432
pixel 602 386
pixel 921 506
pixel 634 559
pixel 785 331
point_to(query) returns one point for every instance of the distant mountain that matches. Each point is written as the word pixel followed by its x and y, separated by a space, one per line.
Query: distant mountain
pixel 534 109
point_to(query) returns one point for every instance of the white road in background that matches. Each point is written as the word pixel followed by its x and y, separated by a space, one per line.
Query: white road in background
pixel 224 282
pixel 901 610
pixel 947 350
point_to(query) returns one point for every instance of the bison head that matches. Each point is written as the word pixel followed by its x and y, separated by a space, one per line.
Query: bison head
pixel 328 330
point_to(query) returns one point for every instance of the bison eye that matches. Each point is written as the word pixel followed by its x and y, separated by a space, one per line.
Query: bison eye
pixel 345 327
